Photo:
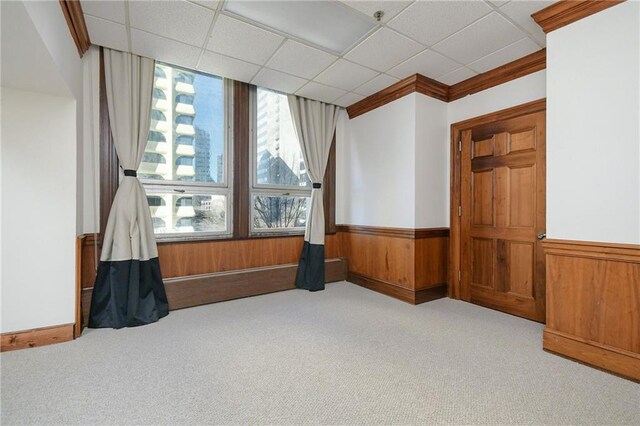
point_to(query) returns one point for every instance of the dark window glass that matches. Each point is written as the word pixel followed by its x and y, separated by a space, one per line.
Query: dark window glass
pixel 184 140
pixel 184 99
pixel 153 157
pixel 155 201
pixel 158 115
pixel 184 119
pixel 184 161
pixel 159 73
pixel 159 94
pixel 184 202
pixel 156 136
pixel 184 77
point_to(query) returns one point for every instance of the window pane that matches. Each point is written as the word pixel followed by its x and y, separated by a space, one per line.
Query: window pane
pixel 279 212
pixel 186 137
pixel 181 213
pixel 279 158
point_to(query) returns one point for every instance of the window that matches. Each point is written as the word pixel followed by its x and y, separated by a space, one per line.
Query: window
pixel 185 165
pixel 281 190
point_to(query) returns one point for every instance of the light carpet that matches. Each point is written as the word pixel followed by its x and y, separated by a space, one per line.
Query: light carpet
pixel 346 355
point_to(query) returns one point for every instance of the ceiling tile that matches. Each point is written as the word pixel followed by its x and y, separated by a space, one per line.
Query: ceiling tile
pixel 327 24
pixel 297 59
pixel 510 53
pixel 428 63
pixel 382 81
pixel 390 8
pixel 320 92
pixel 178 20
pixel 456 76
pixel 345 75
pixel 430 22
pixel 107 33
pixel 348 99
pixel 211 4
pixel 238 39
pixel 113 10
pixel 498 3
pixel 277 80
pixel 491 33
pixel 224 66
pixel 163 49
pixel 520 12
pixel 383 50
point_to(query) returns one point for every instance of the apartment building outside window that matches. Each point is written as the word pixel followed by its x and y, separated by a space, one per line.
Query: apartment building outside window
pixel 185 168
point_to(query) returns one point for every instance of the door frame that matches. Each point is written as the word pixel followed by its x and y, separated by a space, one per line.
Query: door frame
pixel 455 254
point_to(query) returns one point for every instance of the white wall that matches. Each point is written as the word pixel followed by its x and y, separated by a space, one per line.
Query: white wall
pixel 38 210
pixel 593 128
pixel 431 163
pixel 376 170
pixel 40 188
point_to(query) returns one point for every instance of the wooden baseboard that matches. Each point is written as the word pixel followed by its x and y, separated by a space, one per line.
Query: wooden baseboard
pixel 401 293
pixel 36 337
pixel 617 361
pixel 194 290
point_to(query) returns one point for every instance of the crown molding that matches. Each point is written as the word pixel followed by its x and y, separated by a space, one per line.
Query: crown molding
pixel 566 12
pixel 72 10
pixel 418 83
pixel 519 68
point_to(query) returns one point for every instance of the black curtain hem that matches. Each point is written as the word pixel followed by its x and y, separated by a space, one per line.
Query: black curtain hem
pixel 310 274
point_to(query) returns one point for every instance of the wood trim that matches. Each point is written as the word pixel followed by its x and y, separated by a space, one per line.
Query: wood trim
pixel 566 12
pixel 593 250
pixel 410 233
pixel 109 164
pixel 519 68
pixel 390 289
pixel 329 191
pixel 77 329
pixel 455 180
pixel 623 363
pixel 414 83
pixel 241 161
pixel 195 290
pixel 418 83
pixel 72 11
pixel 36 337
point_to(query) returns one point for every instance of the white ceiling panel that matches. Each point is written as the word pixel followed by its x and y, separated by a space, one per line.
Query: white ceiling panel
pixel 327 24
pixel 520 12
pixel 301 60
pixel 456 76
pixel 345 75
pixel 240 40
pixel 348 99
pixel 163 49
pixel 112 10
pixel 224 66
pixel 107 33
pixel 430 22
pixel 376 84
pixel 498 3
pixel 428 63
pixel 384 50
pixel 178 20
pixel 320 92
pixel 510 53
pixel 491 33
pixel 277 80
pixel 390 8
pixel 211 4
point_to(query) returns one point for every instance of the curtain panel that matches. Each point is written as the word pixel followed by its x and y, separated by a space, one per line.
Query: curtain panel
pixel 128 291
pixel 315 124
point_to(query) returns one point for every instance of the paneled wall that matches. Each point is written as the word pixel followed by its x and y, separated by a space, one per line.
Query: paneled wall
pixel 408 264
pixel 199 272
pixel 593 304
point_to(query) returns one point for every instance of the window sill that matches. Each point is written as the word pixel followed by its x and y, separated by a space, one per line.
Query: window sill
pixel 229 238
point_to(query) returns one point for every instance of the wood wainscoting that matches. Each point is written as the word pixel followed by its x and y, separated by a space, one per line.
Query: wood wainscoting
pixel 200 272
pixel 408 264
pixel 593 304
pixel 36 337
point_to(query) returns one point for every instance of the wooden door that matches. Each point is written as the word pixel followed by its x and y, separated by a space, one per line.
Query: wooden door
pixel 503 215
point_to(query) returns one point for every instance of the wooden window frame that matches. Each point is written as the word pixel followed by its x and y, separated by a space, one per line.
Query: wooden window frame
pixel 109 173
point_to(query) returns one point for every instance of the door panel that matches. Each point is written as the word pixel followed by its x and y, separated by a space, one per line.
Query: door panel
pixel 503 210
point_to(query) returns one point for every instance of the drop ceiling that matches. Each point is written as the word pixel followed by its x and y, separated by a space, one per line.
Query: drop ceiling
pixel 326 50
